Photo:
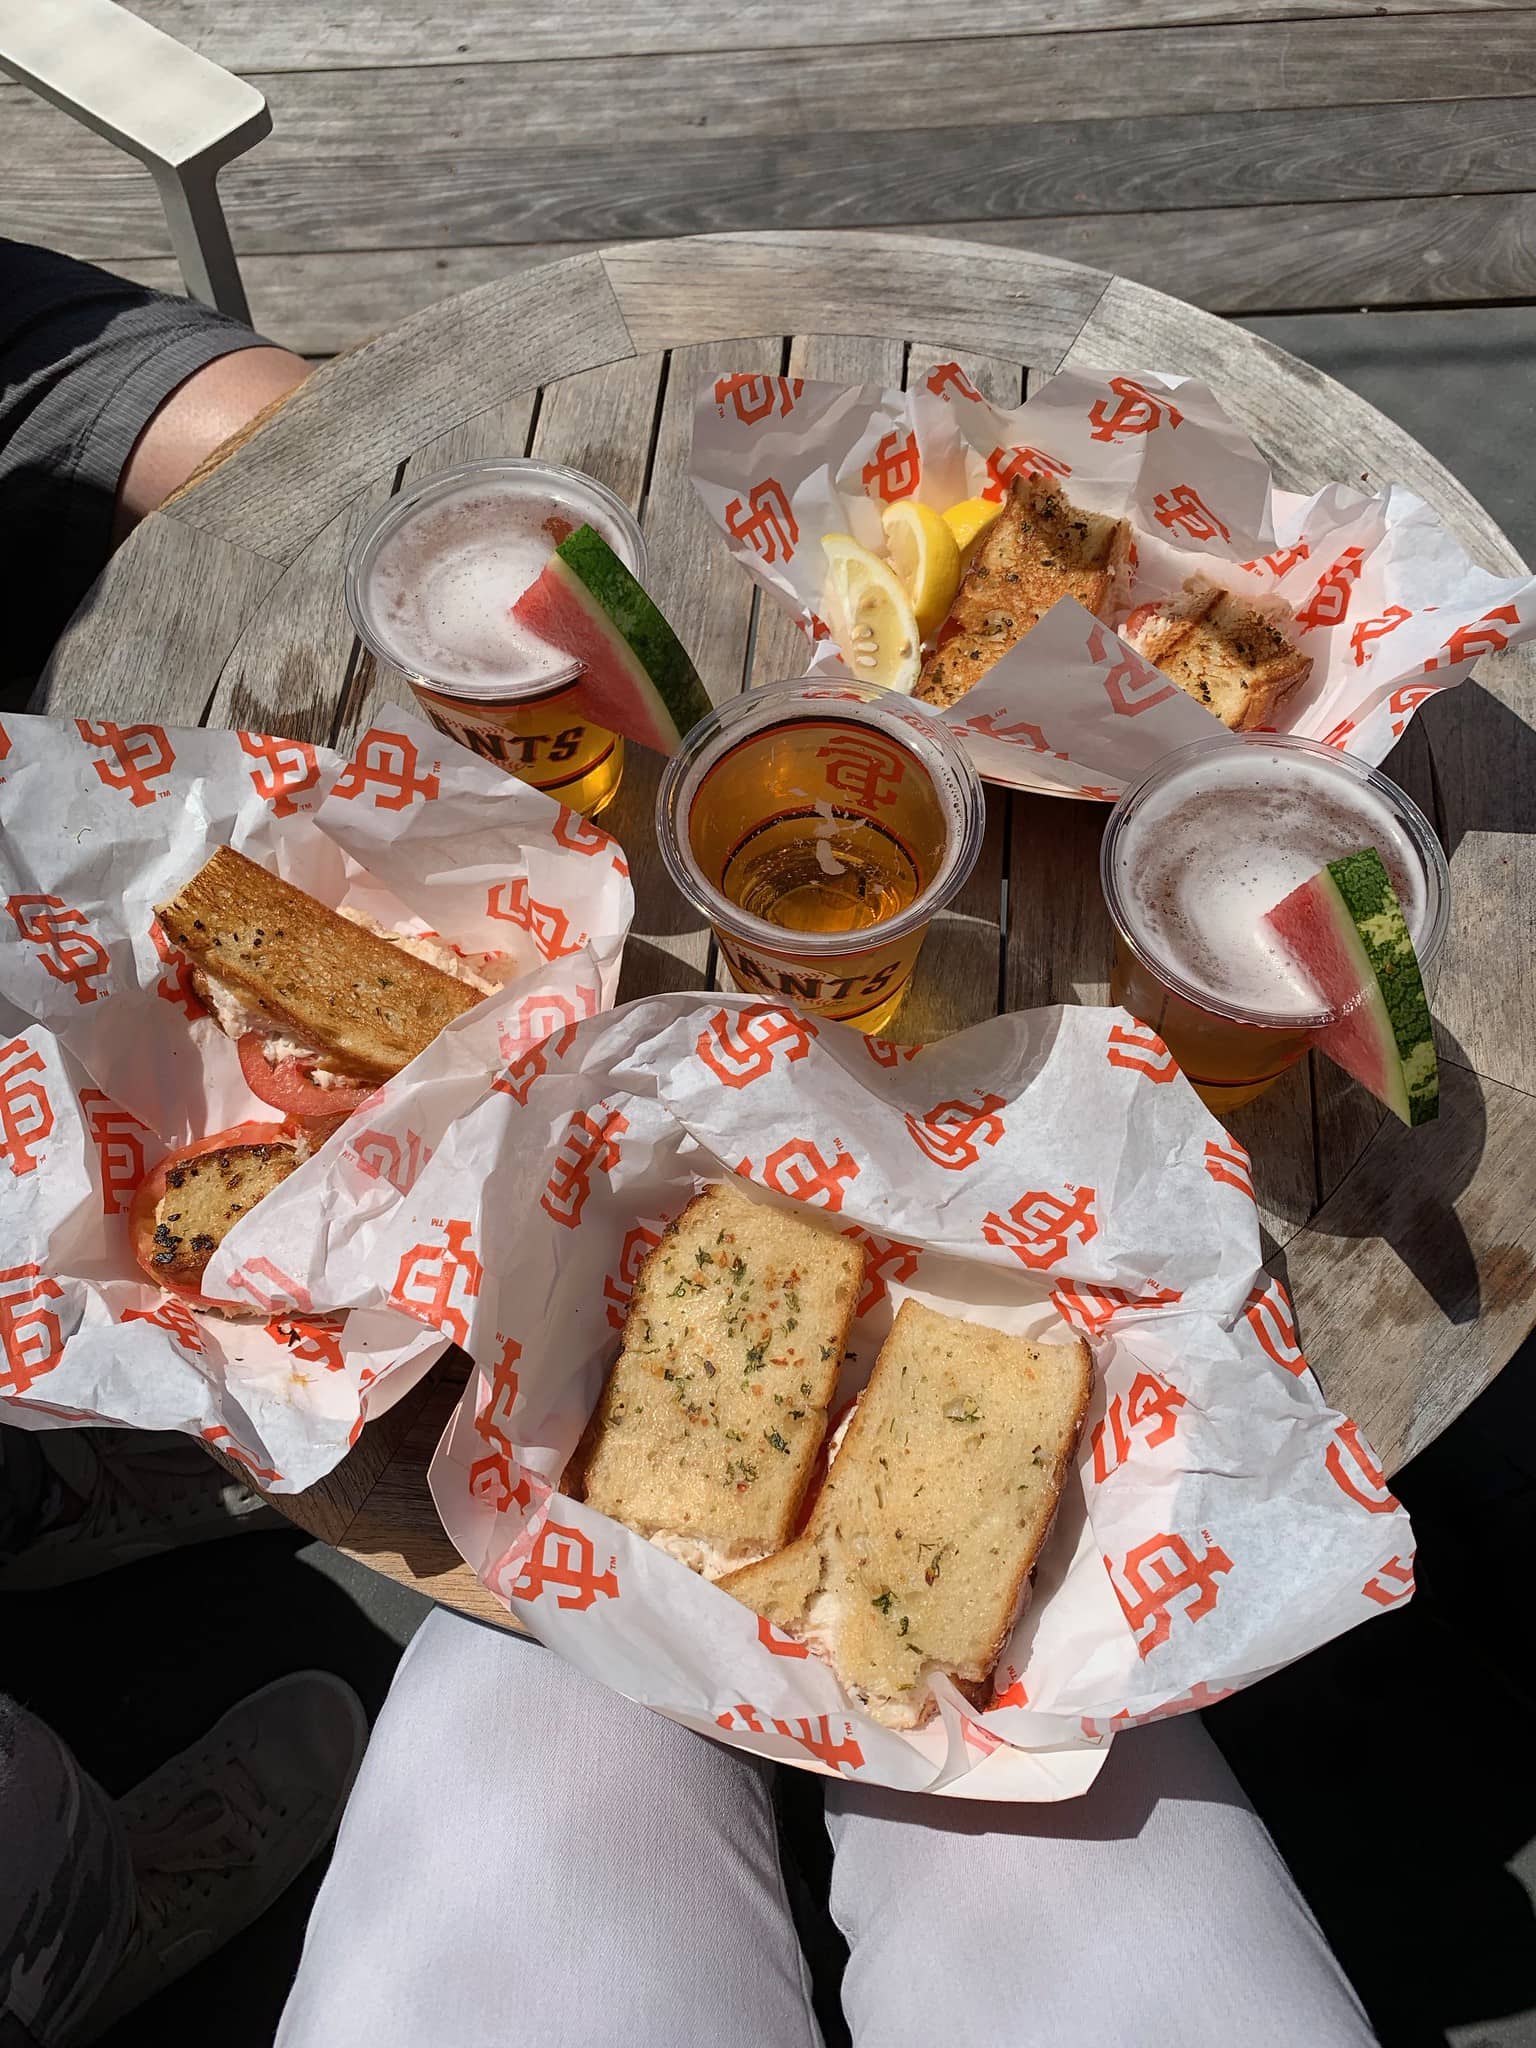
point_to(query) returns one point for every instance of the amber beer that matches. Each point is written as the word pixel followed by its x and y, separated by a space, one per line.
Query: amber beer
pixel 430 587
pixel 819 827
pixel 1198 851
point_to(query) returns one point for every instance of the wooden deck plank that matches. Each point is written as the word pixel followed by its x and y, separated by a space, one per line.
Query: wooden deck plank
pixel 579 187
pixel 290 35
pixel 1346 255
pixel 368 116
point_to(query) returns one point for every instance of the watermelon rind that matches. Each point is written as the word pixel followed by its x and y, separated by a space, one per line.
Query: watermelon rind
pixel 638 678
pixel 1346 929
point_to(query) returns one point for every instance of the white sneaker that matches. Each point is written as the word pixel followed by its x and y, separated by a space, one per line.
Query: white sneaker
pixel 143 1492
pixel 216 1834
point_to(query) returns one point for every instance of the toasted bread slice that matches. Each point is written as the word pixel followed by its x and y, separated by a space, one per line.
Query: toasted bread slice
pixel 709 1427
pixel 204 1199
pixel 309 973
pixel 921 1543
pixel 1042 548
pixel 1229 655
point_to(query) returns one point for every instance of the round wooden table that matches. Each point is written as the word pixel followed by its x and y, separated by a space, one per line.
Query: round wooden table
pixel 1409 1255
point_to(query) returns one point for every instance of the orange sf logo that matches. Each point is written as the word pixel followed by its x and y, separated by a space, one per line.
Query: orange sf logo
pixel 1136 411
pixel 1392 1584
pixel 1004 464
pixel 776 1643
pixel 1138 1047
pixel 1370 630
pixel 545 923
pixel 1330 601
pixel 1041 1227
pixel 490 1478
pixel 1150 1410
pixel 754 395
pixel 316 1342
pixel 946 377
pixel 65 944
pixel 172 1316
pixel 579 835
pixel 1131 684
pixel 386 763
pixel 1185 509
pixel 288 768
pixel 1354 1470
pixel 1230 1164
pixel 987 725
pixel 26 1114
pixel 141 754
pixel 857 767
pixel 176 984
pixel 1403 702
pixel 815 1737
pixel 564 1559
pixel 742 1050
pixel 639 1243
pixel 268 1286
pixel 381 1156
pixel 429 1277
pixel 1271 1318
pixel 589 1146
pixel 1092 1309
pixel 1281 561
pixel 953 1133
pixel 884 1258
pixel 1466 643
pixel 800 1169
pixel 885 1052
pixel 30 1334
pixel 1157 1573
pixel 120 1141
pixel 895 470
pixel 765 523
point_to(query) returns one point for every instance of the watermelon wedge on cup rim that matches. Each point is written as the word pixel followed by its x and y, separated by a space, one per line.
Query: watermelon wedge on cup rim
pixel 1346 931
pixel 638 678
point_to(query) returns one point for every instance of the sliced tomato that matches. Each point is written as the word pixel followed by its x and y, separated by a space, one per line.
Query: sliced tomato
pixel 141 1214
pixel 286 1085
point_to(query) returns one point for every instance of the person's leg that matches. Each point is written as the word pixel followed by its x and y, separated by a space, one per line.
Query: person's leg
pixel 66 1883
pixel 526 1855
pixel 1156 1909
pixel 110 397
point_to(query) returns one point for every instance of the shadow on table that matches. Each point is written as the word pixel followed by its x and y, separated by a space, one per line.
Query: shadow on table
pixel 1469 761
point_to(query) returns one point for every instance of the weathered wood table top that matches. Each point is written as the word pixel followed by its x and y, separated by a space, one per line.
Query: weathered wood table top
pixel 1409 1255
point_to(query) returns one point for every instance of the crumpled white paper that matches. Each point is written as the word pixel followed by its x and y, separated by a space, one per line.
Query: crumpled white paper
pixel 1042 1172
pixel 1386 600
pixel 107 1059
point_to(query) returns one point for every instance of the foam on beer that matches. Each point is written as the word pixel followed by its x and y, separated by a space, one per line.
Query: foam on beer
pixel 1206 855
pixel 442 586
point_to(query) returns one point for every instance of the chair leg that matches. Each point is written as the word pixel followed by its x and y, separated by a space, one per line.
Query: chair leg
pixel 200 237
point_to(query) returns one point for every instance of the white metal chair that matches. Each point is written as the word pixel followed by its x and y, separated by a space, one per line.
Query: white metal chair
pixel 180 115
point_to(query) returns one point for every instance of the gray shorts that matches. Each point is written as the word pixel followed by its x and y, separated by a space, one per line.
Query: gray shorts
pixel 86 360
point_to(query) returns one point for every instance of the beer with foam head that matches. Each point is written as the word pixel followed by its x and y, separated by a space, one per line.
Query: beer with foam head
pixel 1196 854
pixel 431 586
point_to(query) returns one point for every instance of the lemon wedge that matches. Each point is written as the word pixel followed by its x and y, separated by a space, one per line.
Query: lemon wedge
pixel 968 521
pixel 926 557
pixel 870 615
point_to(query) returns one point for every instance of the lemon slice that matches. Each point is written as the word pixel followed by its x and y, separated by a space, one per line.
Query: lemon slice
pixel 870 615
pixel 968 521
pixel 925 556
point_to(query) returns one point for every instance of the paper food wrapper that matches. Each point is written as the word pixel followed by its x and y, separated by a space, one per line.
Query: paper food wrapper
pixel 1042 1173
pixel 1386 601
pixel 108 1059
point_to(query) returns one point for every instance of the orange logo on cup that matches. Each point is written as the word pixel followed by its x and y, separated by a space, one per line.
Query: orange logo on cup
pixel 1392 1584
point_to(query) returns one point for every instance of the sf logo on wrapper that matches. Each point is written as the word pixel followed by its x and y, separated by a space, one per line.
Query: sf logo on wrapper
pixel 65 944
pixel 895 470
pixel 618 1288
pixel 754 396
pixel 121 1143
pixel 765 523
pixel 1135 411
pixel 953 1133
pixel 26 1114
pixel 1041 1227
pixel 861 768
pixel 885 1259
pixel 1356 1473
pixel 1162 1577
pixel 815 1737
pixel 432 1278
pixel 31 1338
pixel 387 766
pixel 1150 1410
pixel 590 1145
pixel 140 756
pixel 740 1050
pixel 563 1561
pixel 1004 464
pixel 288 770
pixel 801 1169
pixel 1184 510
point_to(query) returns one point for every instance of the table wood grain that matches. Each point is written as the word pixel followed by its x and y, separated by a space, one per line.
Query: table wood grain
pixel 1410 1254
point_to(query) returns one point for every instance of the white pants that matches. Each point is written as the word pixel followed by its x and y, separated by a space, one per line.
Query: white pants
pixel 529 1861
